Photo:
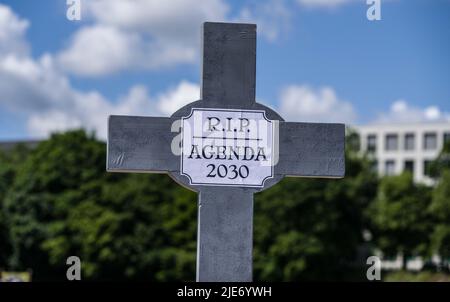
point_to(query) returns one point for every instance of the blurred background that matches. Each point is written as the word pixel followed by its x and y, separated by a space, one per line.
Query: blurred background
pixel 317 61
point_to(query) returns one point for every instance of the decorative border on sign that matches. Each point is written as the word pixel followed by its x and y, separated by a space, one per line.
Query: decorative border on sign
pixel 228 110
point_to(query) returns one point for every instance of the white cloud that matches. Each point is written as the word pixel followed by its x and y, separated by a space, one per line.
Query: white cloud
pixel 130 34
pixel 175 19
pixel 99 49
pixel 41 124
pixel 332 4
pixel 90 110
pixel 184 93
pixel 323 3
pixel 154 34
pixel 272 17
pixel 402 112
pixel 38 90
pixel 12 32
pixel 305 104
pixel 139 34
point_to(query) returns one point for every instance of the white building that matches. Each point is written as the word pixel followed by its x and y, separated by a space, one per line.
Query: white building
pixel 399 147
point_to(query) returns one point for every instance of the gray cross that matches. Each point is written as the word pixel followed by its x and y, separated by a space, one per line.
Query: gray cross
pixel 225 214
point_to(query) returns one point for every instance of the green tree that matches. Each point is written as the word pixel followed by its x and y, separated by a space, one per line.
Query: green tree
pixel 441 163
pixel 440 208
pixel 46 186
pixel 122 226
pixel 400 219
pixel 61 202
pixel 10 161
pixel 309 229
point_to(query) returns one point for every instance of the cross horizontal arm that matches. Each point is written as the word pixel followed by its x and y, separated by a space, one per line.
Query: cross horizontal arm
pixel 311 150
pixel 140 144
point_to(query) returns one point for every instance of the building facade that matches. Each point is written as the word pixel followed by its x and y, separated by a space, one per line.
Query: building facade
pixel 399 147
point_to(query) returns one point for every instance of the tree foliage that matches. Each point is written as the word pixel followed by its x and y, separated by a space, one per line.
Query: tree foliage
pixel 9 165
pixel 400 219
pixel 309 229
pixel 57 201
pixel 440 208
pixel 441 163
pixel 62 203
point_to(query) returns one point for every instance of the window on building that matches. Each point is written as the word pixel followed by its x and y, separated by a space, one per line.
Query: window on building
pixel 353 141
pixel 426 167
pixel 374 166
pixel 409 141
pixel 389 167
pixel 391 142
pixel 430 141
pixel 446 137
pixel 409 166
pixel 372 143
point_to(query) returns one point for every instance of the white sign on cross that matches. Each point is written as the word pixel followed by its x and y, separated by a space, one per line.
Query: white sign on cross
pixel 227 147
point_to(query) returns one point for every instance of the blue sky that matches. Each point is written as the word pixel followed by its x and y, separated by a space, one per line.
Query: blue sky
pixel 317 60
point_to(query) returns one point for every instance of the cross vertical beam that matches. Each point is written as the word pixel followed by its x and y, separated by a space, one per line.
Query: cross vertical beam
pixel 225 235
pixel 225 216
pixel 229 64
